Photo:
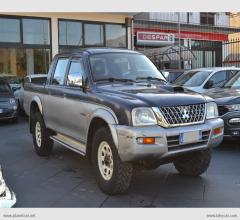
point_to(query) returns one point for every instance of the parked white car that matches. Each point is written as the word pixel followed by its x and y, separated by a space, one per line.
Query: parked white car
pixel 35 79
pixel 200 80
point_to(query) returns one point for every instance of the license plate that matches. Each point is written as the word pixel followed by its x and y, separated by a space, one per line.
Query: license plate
pixel 190 137
pixel 1 110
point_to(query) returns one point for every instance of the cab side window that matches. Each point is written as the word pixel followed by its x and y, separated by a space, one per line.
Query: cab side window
pixel 75 73
pixel 60 70
pixel 218 79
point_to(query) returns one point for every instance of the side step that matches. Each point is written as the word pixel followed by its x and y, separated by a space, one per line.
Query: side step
pixel 70 143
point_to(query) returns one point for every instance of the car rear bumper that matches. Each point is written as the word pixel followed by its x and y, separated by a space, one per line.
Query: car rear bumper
pixel 129 149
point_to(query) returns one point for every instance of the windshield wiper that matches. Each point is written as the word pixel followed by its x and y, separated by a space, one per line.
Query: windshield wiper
pixel 150 78
pixel 113 79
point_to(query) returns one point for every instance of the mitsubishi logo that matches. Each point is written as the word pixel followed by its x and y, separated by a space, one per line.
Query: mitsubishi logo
pixel 185 114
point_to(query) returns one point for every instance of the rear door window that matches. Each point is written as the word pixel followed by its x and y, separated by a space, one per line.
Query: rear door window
pixel 60 70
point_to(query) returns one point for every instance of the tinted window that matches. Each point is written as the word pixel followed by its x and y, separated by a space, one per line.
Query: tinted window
pixel 36 31
pixel 93 34
pixel 192 78
pixel 9 30
pixel 219 78
pixel 60 70
pixel 4 87
pixel 70 33
pixel 76 69
pixel 115 35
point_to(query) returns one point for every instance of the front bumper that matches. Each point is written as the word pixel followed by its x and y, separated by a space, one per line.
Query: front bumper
pixel 232 130
pixel 8 114
pixel 130 150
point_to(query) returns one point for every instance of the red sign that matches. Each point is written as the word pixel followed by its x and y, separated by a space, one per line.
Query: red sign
pixel 186 34
pixel 154 38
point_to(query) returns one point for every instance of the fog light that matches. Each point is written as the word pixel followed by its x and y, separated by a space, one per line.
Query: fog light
pixel 146 140
pixel 217 131
pixel 14 107
pixel 234 120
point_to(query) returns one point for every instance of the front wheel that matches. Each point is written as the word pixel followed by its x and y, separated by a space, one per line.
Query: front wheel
pixel 43 145
pixel 113 175
pixel 195 163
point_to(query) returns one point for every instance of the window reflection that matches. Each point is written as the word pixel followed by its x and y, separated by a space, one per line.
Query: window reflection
pixel 93 34
pixel 36 31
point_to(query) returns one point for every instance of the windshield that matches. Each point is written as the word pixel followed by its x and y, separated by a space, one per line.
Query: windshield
pixel 192 78
pixel 125 66
pixel 4 88
pixel 234 82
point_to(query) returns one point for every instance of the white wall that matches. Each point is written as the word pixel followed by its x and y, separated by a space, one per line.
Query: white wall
pixel 168 16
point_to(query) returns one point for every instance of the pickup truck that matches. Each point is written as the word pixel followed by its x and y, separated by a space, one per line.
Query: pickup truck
pixel 114 107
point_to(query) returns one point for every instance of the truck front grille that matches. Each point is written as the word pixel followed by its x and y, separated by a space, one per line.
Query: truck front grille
pixel 183 114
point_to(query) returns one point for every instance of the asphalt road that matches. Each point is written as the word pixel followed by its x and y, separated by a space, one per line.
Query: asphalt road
pixel 65 179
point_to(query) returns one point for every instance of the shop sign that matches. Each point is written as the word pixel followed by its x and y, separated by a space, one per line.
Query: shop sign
pixel 154 38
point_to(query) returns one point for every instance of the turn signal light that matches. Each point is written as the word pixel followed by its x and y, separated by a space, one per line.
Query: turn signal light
pixel 146 140
pixel 217 131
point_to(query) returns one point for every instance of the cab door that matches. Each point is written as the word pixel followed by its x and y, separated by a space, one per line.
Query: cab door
pixel 77 107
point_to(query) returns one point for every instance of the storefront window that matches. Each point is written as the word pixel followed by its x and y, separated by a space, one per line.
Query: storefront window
pixel 115 35
pixel 20 62
pixel 70 33
pixel 36 31
pixel 93 34
pixel 9 30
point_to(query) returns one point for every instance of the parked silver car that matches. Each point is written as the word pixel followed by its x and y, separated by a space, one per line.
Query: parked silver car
pixel 200 80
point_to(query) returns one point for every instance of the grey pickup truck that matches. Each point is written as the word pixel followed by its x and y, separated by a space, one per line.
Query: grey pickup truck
pixel 116 108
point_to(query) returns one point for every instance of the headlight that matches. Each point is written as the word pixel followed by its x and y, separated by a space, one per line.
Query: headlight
pixel 212 110
pixel 231 108
pixel 12 101
pixel 143 116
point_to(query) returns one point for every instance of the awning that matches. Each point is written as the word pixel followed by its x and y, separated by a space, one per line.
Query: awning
pixel 170 53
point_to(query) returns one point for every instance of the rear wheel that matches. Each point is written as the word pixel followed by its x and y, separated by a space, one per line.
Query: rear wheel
pixel 113 176
pixel 43 145
pixel 195 163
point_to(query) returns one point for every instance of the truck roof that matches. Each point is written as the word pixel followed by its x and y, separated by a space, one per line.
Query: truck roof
pixel 98 50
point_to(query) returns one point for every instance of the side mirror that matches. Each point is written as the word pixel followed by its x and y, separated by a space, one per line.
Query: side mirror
pixel 75 79
pixel 209 84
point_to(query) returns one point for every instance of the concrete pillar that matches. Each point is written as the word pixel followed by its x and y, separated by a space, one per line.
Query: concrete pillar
pixel 13 61
pixel 54 23
pixel 30 61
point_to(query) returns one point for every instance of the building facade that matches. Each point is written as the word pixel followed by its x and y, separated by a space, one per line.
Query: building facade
pixel 202 34
pixel 29 41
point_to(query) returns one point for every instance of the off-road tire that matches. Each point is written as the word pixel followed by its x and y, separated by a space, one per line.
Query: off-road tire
pixel 46 146
pixel 195 163
pixel 122 172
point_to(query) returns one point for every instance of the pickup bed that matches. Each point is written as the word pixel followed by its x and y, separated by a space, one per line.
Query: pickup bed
pixel 116 108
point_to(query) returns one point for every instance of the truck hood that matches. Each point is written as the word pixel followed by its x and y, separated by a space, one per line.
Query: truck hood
pixel 145 94
pixel 225 96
